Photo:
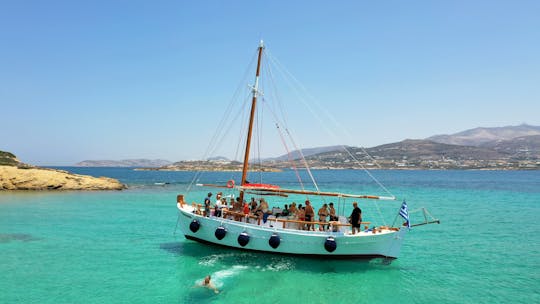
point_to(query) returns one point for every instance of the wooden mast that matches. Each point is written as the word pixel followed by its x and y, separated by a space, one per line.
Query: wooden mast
pixel 251 119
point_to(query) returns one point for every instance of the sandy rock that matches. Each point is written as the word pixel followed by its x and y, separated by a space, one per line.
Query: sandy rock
pixel 33 178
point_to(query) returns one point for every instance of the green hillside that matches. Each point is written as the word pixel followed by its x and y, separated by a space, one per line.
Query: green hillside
pixel 8 159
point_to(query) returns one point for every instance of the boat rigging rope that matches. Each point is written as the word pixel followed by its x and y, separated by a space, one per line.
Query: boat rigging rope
pixel 291 161
pixel 276 120
pixel 295 83
pixel 259 131
pixel 303 160
pixel 220 130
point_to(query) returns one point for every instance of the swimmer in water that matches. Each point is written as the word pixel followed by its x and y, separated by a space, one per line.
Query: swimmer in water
pixel 207 283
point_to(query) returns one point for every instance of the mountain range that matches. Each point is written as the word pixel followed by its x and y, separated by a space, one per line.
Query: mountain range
pixel 510 147
pixel 512 142
pixel 487 136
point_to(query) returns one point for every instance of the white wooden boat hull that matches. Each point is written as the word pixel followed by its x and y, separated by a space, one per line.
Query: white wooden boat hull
pixel 386 243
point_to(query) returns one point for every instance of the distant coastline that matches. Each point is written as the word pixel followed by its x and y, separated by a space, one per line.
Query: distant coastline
pixel 412 168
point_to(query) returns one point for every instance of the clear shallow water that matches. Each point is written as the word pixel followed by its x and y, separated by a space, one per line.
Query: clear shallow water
pixel 120 247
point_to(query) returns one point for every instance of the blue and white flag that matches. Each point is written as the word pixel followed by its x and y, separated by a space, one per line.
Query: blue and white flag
pixel 405 213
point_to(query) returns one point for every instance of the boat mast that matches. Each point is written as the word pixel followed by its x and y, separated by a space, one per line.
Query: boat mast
pixel 255 92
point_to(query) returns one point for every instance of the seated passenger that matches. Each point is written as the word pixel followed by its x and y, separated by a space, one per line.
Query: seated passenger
pixel 293 210
pixel 264 206
pixel 246 210
pixel 285 211
pixel 253 205
pixel 237 205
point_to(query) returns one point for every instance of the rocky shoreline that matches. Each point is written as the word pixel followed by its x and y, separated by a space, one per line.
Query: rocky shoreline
pixel 35 178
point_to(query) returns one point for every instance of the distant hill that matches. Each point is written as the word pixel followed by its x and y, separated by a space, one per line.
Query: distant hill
pixel 502 148
pixel 8 159
pixel 524 147
pixel 218 158
pixel 415 149
pixel 140 163
pixel 306 152
pixel 480 136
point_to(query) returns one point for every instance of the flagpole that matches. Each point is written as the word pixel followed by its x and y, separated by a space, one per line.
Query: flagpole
pixel 399 214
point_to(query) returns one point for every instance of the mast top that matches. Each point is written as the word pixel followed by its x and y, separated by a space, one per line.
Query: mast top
pixel 261 44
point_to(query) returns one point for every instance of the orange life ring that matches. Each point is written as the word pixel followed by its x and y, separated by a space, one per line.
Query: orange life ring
pixel 230 183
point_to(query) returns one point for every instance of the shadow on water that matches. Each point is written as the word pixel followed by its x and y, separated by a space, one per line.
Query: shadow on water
pixel 212 255
pixel 21 237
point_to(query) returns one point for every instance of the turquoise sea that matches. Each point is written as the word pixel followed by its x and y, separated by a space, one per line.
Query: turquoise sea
pixel 121 247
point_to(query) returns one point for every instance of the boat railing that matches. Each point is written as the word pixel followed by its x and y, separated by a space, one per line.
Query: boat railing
pixel 238 216
pixel 284 222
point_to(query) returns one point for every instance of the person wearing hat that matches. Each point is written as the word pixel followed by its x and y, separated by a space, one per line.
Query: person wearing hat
pixel 207 204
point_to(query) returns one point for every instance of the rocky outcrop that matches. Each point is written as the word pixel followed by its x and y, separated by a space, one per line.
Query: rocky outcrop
pixel 15 175
pixel 33 178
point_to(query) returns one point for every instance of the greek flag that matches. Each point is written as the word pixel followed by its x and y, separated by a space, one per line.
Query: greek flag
pixel 405 213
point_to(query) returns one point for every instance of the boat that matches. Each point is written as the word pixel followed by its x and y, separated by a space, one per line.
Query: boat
pixel 271 233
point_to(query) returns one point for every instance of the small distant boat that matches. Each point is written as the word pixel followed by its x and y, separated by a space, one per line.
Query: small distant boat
pixel 161 184
pixel 275 234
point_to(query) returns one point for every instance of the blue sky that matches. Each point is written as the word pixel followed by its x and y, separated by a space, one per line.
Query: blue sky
pixel 151 79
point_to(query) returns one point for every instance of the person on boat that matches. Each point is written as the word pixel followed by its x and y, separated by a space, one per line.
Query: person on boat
pixel 310 214
pixel 218 205
pixel 208 284
pixel 237 205
pixel 323 213
pixel 285 211
pixel 253 205
pixel 356 218
pixel 263 211
pixel 207 204
pixel 246 211
pixel 224 206
pixel 301 215
pixel 332 212
pixel 332 216
pixel 264 206
pixel 293 210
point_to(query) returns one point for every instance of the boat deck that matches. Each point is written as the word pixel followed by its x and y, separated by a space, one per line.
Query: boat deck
pixel 288 223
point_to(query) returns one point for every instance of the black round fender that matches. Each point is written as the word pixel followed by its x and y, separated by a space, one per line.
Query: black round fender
pixel 243 239
pixel 330 244
pixel 274 241
pixel 220 232
pixel 194 226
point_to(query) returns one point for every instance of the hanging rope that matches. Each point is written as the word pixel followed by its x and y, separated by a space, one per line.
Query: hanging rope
pixel 294 83
pixel 218 136
pixel 289 157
